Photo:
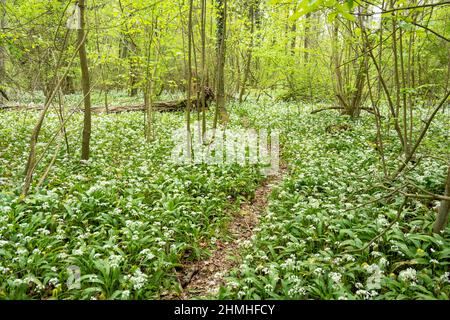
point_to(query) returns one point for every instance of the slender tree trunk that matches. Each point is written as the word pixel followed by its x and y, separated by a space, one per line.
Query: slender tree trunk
pixel 444 208
pixel 32 162
pixel 102 65
pixel 250 49
pixel 61 120
pixel 148 89
pixel 85 83
pixel 336 57
pixel 293 34
pixel 221 47
pixel 129 50
pixel 68 87
pixel 204 72
pixel 2 50
pixel 424 131
pixel 404 105
pixel 306 40
pixel 397 77
pixel 133 70
pixel 391 105
pixel 189 88
pixel 410 82
pixel 306 47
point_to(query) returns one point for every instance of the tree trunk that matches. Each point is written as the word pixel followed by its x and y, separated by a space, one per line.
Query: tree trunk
pixel 133 71
pixel 444 208
pixel 32 162
pixel 2 51
pixel 204 72
pixel 67 86
pixel 221 47
pixel 189 88
pixel 85 83
pixel 148 87
pixel 252 10
pixel 306 40
pixel 293 34
pixel 306 47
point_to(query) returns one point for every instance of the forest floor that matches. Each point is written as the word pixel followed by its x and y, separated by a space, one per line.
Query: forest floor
pixel 140 226
pixel 202 279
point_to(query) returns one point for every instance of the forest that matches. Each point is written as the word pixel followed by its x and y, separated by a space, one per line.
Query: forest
pixel 224 149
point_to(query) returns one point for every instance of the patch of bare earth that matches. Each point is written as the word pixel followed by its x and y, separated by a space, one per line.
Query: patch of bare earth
pixel 203 278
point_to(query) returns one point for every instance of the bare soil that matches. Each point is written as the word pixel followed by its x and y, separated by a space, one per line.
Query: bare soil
pixel 202 279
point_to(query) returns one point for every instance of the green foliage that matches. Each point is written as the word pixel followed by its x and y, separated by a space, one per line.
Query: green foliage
pixel 304 247
pixel 127 218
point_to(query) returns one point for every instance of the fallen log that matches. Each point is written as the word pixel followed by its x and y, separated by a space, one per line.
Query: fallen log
pixel 160 106
pixel 165 106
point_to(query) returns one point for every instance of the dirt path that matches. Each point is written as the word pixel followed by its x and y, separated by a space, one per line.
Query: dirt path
pixel 204 278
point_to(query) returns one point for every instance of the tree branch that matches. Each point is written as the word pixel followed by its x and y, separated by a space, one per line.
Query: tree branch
pixel 432 31
pixel 443 3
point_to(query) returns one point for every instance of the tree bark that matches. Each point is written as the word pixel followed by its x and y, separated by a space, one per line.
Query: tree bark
pixel 444 208
pixel 133 70
pixel 204 72
pixel 2 52
pixel 85 83
pixel 252 10
pixel 189 81
pixel 148 89
pixel 221 47
pixel 31 162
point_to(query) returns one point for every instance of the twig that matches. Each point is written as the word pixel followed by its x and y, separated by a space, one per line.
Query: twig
pixel 422 135
pixel 432 31
pixel 399 212
pixel 443 3
pixel 47 170
pixel 425 196
pixel 376 200
pixel 340 108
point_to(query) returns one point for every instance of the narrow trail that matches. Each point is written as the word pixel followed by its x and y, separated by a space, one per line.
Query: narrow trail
pixel 203 278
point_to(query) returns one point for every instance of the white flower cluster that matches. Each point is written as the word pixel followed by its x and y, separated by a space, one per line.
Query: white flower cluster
pixel 21 251
pixel 78 252
pixel 246 244
pixel 115 260
pixel 4 270
pixel 5 209
pixel 138 279
pixel 289 264
pixel 407 275
pixel 365 294
pixel 233 284
pixel 148 255
pixel 125 294
pixel 383 262
pixel 297 288
pixel 445 278
pixel 335 277
pixel 374 279
pixel 318 271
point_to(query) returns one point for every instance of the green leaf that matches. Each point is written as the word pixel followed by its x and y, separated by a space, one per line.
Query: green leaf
pixel 350 4
pixel 331 17
pixel 345 13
